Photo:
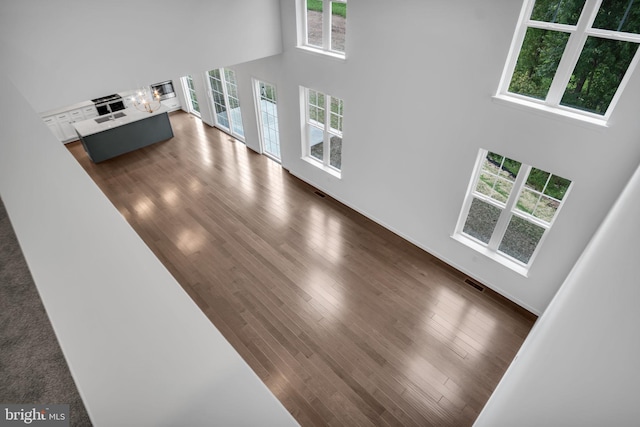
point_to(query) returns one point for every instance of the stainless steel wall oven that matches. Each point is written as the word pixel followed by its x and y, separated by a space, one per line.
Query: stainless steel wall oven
pixel 164 89
pixel 109 104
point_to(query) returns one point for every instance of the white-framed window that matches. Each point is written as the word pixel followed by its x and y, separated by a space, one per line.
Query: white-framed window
pixel 323 130
pixel 226 103
pixel 193 105
pixel 509 208
pixel 323 25
pixel 573 56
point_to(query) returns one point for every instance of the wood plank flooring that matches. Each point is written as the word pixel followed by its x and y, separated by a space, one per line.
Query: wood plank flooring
pixel 345 322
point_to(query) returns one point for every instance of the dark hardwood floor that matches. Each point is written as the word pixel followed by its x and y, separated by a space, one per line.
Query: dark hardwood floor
pixel 345 322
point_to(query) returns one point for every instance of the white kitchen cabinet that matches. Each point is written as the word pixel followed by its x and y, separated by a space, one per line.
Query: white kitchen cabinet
pixel 76 115
pixel 126 98
pixel 65 122
pixel 90 112
pixel 61 123
pixel 52 124
pixel 172 103
pixel 128 102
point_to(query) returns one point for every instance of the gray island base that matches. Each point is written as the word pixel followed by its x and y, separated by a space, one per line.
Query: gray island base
pixel 134 130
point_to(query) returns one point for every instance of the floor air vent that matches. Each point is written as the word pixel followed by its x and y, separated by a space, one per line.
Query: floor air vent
pixel 474 285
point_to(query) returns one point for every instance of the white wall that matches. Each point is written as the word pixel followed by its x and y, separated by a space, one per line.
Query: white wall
pixel 245 73
pixel 578 367
pixel 59 52
pixel 417 86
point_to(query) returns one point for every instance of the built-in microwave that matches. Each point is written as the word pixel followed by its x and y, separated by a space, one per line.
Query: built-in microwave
pixel 164 89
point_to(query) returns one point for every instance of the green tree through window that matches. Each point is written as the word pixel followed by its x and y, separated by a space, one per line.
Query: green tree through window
pixel 598 73
pixel 538 61
pixel 559 65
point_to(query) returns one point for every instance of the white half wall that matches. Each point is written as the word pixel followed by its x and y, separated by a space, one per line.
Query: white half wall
pixel 579 365
pixel 141 352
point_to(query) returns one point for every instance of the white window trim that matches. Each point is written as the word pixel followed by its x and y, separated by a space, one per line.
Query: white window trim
pixel 482 249
pixel 329 54
pixel 575 44
pixel 325 164
pixel 522 102
pixel 508 210
pixel 303 42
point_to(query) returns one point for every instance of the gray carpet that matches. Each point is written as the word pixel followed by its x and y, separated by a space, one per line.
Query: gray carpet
pixel 32 367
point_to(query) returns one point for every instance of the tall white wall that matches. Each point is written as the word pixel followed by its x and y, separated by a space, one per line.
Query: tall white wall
pixel 59 52
pixel 578 367
pixel 417 86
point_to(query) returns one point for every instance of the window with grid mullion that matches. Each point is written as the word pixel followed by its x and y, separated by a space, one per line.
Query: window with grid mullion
pixel 574 56
pixel 335 116
pixel 510 208
pixel 336 131
pixel 324 120
pixel 505 217
pixel 487 207
pixel 521 232
pixel 316 115
pixel 530 218
pixel 315 102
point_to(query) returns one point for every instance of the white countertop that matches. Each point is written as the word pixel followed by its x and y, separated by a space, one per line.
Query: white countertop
pixel 90 126
pixel 66 108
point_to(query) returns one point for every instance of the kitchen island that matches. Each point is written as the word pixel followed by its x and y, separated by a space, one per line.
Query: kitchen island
pixel 127 130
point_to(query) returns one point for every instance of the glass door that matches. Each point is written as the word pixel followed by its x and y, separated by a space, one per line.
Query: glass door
pixel 265 95
pixel 225 100
pixel 234 103
pixel 194 106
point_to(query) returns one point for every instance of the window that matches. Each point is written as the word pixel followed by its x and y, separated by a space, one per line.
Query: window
pixel 509 208
pixel 324 24
pixel 573 55
pixel 268 118
pixel 191 94
pixel 323 139
pixel 225 100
